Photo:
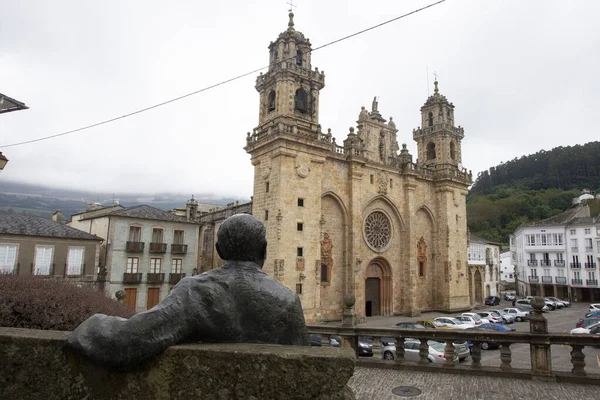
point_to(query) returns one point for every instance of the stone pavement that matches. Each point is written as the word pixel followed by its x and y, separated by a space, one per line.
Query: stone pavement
pixel 377 384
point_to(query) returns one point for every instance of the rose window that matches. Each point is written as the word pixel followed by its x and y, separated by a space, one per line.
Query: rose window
pixel 378 230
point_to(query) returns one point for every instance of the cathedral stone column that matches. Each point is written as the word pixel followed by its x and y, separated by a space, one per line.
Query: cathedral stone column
pixel 411 248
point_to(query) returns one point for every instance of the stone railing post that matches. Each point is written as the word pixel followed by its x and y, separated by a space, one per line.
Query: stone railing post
pixel 423 352
pixel 541 357
pixel 349 316
pixel 578 360
pixel 476 355
pixel 449 354
pixel 399 350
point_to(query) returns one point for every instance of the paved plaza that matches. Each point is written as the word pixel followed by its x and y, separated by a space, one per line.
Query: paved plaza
pixel 377 384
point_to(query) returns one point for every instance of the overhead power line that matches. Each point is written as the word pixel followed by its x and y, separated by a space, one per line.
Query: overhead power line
pixel 218 84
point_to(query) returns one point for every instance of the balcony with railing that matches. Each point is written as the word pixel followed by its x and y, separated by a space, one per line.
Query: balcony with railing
pixel 545 263
pixel 576 265
pixel 589 249
pixel 590 265
pixel 574 249
pixel 155 278
pixel 576 282
pixel 532 263
pixel 134 247
pixel 561 280
pixel 546 279
pixel 539 341
pixel 158 248
pixel 592 282
pixel 534 279
pixel 179 248
pixel 132 278
pixel 559 263
pixel 175 278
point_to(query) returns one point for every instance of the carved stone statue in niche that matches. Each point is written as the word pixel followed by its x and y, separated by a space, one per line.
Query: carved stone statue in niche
pixel 326 250
pixel 422 255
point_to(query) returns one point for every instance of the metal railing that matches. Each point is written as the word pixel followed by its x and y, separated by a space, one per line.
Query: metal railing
pixel 532 263
pixel 546 279
pixel 590 265
pixel 559 263
pixel 534 279
pixel 561 279
pixel 576 265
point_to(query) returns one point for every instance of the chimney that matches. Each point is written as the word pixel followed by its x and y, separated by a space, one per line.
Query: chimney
pixel 58 216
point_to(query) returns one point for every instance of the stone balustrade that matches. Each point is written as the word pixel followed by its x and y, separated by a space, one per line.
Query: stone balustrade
pixel 36 365
pixel 538 339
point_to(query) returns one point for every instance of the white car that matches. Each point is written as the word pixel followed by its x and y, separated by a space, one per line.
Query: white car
pixel 595 307
pixel 452 323
pixel 560 302
pixel 472 322
pixel 477 317
pixel 593 329
pixel 518 313
pixel 508 318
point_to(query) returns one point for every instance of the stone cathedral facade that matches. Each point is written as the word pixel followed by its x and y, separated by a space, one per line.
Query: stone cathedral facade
pixel 359 216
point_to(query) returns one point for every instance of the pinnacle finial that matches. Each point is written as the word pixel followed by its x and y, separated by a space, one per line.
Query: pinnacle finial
pixel 436 91
pixel 291 23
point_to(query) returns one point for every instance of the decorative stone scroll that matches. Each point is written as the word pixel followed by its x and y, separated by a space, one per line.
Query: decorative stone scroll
pixel 422 255
pixel 327 254
pixel 300 264
pixel 378 231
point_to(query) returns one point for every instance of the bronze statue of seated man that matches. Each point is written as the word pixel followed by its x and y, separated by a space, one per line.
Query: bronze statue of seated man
pixel 237 302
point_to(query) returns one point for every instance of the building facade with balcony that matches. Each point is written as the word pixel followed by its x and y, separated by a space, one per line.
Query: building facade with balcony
pixel 507 268
pixel 147 251
pixel 558 256
pixel 484 269
pixel 31 245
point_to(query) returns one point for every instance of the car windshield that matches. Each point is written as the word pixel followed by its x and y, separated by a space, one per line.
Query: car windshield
pixel 476 317
pixel 521 309
pixel 438 324
pixel 495 314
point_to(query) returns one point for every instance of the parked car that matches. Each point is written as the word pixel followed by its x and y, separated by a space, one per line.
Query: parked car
pixel 317 340
pixel 492 301
pixel 519 313
pixel 492 316
pixel 365 347
pixel 552 305
pixel 593 314
pixel 476 316
pixel 493 328
pixel 430 323
pixel 508 318
pixel 585 322
pixel 527 302
pixel 471 321
pixel 564 303
pixel 510 296
pixel 557 303
pixel 410 325
pixel 411 351
pixel 593 329
pixel 594 307
pixel 453 323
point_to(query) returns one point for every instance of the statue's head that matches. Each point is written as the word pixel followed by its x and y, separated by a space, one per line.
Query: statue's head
pixel 242 237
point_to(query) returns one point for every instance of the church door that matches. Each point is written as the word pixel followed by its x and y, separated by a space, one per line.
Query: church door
pixel 372 296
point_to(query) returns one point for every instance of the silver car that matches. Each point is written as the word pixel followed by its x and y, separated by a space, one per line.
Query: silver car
pixel 508 318
pixel 411 351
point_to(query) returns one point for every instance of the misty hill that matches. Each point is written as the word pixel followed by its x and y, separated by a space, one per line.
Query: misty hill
pixel 43 200
pixel 531 188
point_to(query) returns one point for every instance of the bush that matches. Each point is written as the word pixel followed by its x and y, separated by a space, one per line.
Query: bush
pixel 37 303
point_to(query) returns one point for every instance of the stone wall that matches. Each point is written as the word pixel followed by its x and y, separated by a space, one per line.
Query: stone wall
pixel 35 365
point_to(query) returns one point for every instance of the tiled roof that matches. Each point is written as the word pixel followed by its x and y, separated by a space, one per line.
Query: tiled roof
pixel 476 239
pixel 29 225
pixel 98 213
pixel 147 212
pixel 575 213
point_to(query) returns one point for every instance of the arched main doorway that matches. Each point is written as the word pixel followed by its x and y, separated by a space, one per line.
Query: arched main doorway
pixel 378 288
pixel 478 287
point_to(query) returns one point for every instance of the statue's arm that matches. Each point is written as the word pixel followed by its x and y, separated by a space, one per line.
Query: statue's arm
pixel 120 342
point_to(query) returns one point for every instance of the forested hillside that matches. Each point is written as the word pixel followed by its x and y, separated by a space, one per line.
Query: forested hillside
pixel 531 188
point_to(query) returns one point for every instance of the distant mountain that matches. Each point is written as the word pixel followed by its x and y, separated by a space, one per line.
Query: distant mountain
pixel 44 201
pixel 531 188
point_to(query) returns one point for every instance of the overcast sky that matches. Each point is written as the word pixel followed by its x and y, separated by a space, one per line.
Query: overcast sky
pixel 523 76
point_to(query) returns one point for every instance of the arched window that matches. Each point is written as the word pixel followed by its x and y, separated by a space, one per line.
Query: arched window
pixel 430 118
pixel 431 151
pixel 452 151
pixel 271 106
pixel 299 57
pixel 301 103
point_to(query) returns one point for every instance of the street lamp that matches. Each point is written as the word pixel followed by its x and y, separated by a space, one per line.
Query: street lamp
pixel 3 161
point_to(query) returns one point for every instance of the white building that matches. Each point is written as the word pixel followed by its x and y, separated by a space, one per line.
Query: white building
pixel 146 253
pixel 484 267
pixel 507 268
pixel 551 253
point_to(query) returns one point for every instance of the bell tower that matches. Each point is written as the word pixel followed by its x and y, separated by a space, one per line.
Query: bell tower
pixel 439 140
pixel 290 88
